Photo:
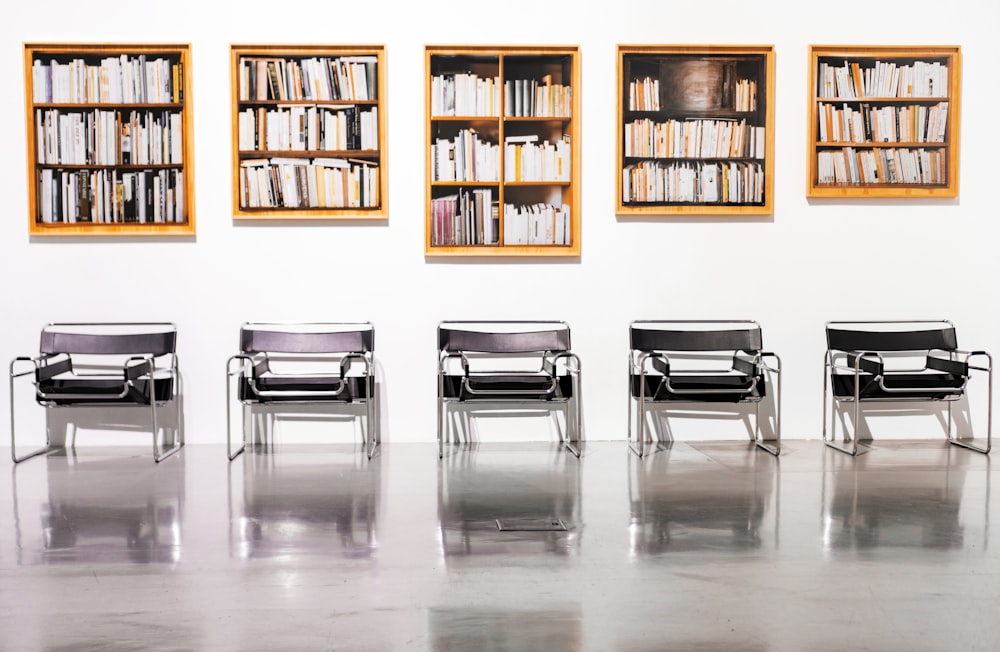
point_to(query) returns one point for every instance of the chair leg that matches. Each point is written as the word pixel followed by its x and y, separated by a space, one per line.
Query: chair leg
pixel 989 413
pixel 159 456
pixel 13 440
pixel 229 417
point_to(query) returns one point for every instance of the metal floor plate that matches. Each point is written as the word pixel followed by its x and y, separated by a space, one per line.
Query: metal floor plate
pixel 531 525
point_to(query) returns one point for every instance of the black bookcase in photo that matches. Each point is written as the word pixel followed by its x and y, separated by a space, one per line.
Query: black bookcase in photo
pixel 883 121
pixel 309 132
pixel 503 151
pixel 110 149
pixel 695 130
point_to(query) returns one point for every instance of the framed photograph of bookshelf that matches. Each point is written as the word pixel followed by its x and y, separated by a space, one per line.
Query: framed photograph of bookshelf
pixel 110 139
pixel 883 121
pixel 309 132
pixel 695 130
pixel 502 151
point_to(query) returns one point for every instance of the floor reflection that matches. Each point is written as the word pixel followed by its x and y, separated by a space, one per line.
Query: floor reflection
pixel 528 492
pixel 914 503
pixel 500 629
pixel 99 509
pixel 293 502
pixel 682 501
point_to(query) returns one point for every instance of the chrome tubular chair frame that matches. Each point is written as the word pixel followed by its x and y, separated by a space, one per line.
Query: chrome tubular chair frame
pixel 462 343
pixel 652 341
pixel 857 352
pixel 140 344
pixel 336 343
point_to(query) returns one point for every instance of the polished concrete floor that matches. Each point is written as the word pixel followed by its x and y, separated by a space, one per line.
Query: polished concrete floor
pixel 699 546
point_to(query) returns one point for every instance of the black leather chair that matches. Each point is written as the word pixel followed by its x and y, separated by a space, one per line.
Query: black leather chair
pixel 891 361
pixel 704 362
pixel 304 363
pixel 508 362
pixel 103 364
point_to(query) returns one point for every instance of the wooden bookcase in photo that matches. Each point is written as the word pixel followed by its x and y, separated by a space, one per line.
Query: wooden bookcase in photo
pixel 883 121
pixel 309 132
pixel 110 139
pixel 695 130
pixel 503 151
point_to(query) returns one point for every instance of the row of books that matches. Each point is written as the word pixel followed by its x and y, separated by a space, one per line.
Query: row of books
pixel 533 98
pixel 111 196
pixel 536 224
pixel 308 128
pixel 108 137
pixel 305 183
pixel 525 159
pixel 881 165
pixel 352 78
pixel 119 80
pixel 704 183
pixel 882 79
pixel 469 217
pixel 746 95
pixel 916 123
pixel 465 94
pixel 466 157
pixel 694 139
pixel 644 94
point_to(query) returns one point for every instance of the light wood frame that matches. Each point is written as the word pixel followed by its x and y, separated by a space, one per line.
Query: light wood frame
pixel 380 156
pixel 82 50
pixel 765 115
pixel 570 127
pixel 868 54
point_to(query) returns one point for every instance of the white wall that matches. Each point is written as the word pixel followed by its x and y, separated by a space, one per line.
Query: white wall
pixel 810 262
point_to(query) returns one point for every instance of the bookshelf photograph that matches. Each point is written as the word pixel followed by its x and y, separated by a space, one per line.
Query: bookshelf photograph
pixel 883 121
pixel 309 132
pixel 110 139
pixel 695 130
pixel 503 151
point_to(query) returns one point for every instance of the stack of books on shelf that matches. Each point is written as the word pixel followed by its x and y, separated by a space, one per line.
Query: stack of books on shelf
pixel 99 137
pixel 530 98
pixel 644 94
pixel 536 224
pixel 525 159
pixel 308 128
pixel 883 80
pixel 469 217
pixel 123 79
pixel 466 157
pixel 692 182
pixel 465 94
pixel 111 196
pixel 883 165
pixel 694 139
pixel 308 183
pixel 351 78
pixel 915 123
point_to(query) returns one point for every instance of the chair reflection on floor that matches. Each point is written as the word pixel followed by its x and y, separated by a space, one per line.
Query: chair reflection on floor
pixel 304 503
pixel 721 503
pixel 495 499
pixel 101 510
pixel 911 500
pixel 491 628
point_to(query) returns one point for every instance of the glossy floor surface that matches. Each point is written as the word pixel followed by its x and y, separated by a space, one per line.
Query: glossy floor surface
pixel 699 546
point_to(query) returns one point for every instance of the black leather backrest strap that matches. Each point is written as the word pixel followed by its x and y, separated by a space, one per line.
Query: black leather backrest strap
pixel 456 339
pixel 655 339
pixel 849 339
pixel 158 343
pixel 253 340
